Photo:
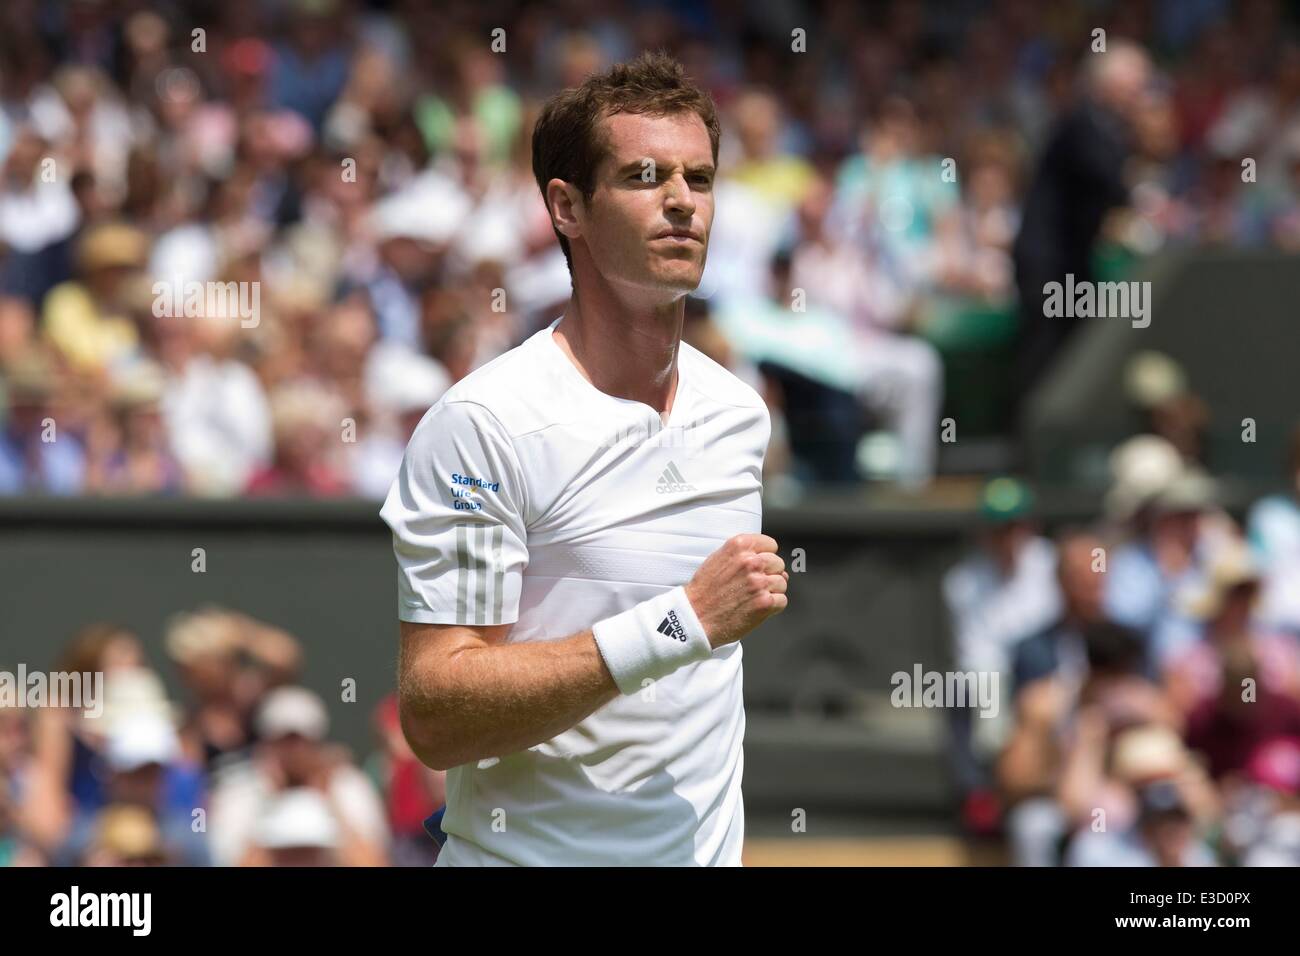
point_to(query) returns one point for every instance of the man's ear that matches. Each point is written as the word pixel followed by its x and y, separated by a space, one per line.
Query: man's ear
pixel 565 204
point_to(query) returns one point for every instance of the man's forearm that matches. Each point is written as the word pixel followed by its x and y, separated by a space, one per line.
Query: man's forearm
pixel 489 700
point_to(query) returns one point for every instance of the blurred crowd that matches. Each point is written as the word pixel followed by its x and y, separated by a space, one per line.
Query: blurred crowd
pixel 1151 672
pixel 242 772
pixel 366 168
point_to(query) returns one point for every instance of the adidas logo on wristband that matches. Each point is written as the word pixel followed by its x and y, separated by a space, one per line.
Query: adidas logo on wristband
pixel 631 645
pixel 671 627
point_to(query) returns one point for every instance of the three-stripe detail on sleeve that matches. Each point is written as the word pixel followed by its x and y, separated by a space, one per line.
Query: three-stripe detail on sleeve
pixel 480 576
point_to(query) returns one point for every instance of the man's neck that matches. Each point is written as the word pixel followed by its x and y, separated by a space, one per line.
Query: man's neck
pixel 625 350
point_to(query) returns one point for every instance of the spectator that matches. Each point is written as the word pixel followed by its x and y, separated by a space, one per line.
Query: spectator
pixel 1058 650
pixel 216 413
pixel 1163 836
pixel 126 835
pixel 292 753
pixel 847 372
pixel 1174 531
pixel 997 596
pixel 228 662
pixel 16 843
pixel 88 320
pixel 1242 717
pixel 35 456
pixel 1080 177
pixel 141 747
pixel 132 455
pixel 1266 830
pixel 1006 591
pixel 307 420
pixel 412 792
pixel 299 829
pixel 1273 533
pixel 1225 606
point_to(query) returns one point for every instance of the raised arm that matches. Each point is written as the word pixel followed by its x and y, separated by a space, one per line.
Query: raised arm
pixel 465 694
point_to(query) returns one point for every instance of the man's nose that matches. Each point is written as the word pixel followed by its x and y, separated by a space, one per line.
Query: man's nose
pixel 679 194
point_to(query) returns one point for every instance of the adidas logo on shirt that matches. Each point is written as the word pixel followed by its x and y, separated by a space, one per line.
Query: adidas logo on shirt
pixel 671 627
pixel 672 481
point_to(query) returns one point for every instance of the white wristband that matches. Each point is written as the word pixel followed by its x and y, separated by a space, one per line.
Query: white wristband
pixel 651 640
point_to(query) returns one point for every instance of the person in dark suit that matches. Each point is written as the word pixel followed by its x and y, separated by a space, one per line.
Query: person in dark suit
pixel 1058 649
pixel 1079 178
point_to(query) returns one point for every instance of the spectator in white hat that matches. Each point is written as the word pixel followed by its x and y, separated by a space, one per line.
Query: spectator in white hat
pixel 141 750
pixel 401 389
pixel 292 753
pixel 299 829
pixel 1174 526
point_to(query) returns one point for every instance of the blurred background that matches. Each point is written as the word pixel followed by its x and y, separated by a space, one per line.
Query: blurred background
pixel 1102 512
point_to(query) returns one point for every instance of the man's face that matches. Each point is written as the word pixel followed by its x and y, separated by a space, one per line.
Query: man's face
pixel 297 755
pixel 142 785
pixel 1181 527
pixel 651 232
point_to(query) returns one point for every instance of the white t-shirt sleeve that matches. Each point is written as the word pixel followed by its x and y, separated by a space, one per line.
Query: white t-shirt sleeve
pixel 456 510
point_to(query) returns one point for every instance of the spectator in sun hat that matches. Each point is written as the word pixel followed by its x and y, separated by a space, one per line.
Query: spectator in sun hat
pixel 133 456
pixel 227 662
pixel 1223 607
pixel 292 752
pixel 87 319
pixel 1138 775
pixel 28 461
pixel 1157 386
pixel 1064 715
pixel 126 835
pixel 1174 524
pixel 1139 467
pixel 1164 835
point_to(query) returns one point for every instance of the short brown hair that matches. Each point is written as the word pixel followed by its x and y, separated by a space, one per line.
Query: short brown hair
pixel 567 143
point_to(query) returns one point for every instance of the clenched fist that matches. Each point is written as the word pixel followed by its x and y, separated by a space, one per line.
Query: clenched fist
pixel 738 587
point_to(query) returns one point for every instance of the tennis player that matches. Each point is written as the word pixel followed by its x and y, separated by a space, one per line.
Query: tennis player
pixel 577 525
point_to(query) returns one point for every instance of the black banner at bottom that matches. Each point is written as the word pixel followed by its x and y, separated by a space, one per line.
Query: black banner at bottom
pixel 928 905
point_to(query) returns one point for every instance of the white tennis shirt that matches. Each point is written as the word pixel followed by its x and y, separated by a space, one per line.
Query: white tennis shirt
pixel 528 496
